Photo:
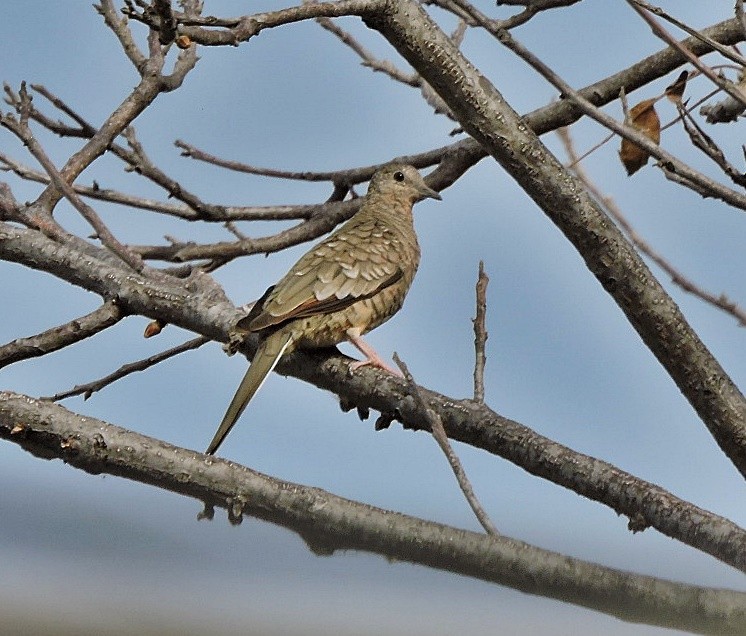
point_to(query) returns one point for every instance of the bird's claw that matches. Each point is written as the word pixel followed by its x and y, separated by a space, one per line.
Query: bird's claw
pixel 376 363
pixel 235 340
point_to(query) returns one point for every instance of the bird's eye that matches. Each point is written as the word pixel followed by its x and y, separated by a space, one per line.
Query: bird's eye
pixel 398 176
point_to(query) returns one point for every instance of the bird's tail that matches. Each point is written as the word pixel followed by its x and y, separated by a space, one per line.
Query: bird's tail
pixel 265 359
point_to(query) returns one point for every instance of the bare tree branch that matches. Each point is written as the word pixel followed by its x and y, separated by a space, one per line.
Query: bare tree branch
pixel 150 86
pixel 203 309
pixel 439 433
pixel 89 388
pixel 347 177
pixel 721 302
pixel 726 52
pixel 62 336
pixel 486 116
pixel 324 219
pixel 480 334
pixel 195 302
pixel 369 60
pixel 20 128
pixel 466 11
pixel 644 11
pixel 328 523
pixel 231 32
pixel 119 27
pixel 708 146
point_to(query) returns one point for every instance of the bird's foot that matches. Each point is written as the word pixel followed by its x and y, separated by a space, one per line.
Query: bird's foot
pixel 376 362
pixel 234 343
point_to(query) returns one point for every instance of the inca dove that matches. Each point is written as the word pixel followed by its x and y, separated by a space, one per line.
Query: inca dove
pixel 351 282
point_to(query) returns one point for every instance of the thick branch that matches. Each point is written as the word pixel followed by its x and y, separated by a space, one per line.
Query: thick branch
pixel 720 301
pixel 328 523
pixel 62 336
pixel 485 115
pixel 198 299
pixel 202 308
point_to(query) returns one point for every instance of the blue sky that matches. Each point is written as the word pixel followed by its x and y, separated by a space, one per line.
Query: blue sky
pixel 561 357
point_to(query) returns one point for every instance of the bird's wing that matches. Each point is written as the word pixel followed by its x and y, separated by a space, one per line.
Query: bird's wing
pixel 347 267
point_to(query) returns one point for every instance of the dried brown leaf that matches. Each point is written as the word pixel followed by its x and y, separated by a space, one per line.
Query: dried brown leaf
pixel 644 117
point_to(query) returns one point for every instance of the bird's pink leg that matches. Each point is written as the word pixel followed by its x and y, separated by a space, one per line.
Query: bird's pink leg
pixel 371 357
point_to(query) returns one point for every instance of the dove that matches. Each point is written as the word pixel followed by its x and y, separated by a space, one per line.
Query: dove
pixel 348 284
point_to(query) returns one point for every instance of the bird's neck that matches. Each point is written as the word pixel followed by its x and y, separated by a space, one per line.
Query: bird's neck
pixel 382 205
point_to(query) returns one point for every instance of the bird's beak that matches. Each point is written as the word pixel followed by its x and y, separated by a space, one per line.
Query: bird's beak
pixel 428 193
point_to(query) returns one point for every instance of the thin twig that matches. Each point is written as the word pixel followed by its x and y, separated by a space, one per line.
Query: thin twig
pixel 671 164
pixel 480 334
pixel 368 59
pixel 348 177
pixel 721 302
pixel 666 126
pixel 20 128
pixel 58 103
pixel 439 433
pixel 90 388
pixel 319 224
pixel 388 68
pixel 140 163
pixel 119 27
pixel 700 139
pixel 178 210
pixel 726 85
pixel 723 50
pixel 473 17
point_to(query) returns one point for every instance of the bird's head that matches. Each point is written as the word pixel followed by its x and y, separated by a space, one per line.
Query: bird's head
pixel 401 181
